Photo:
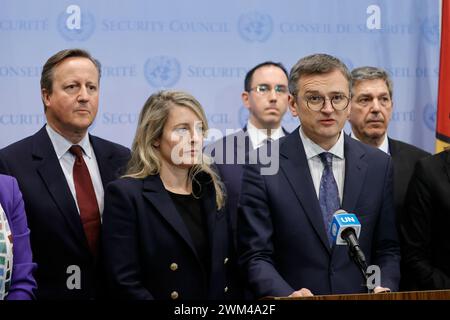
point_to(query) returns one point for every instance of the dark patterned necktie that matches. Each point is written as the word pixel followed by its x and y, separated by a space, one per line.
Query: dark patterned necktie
pixel 86 199
pixel 328 192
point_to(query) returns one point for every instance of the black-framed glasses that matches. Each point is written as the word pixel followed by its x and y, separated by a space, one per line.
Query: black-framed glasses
pixel 316 103
pixel 264 89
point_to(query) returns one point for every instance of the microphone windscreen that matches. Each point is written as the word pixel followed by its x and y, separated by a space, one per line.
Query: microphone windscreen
pixel 343 220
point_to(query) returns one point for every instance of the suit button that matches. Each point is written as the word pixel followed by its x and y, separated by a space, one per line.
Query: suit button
pixel 174 295
pixel 225 261
pixel 225 289
pixel 173 266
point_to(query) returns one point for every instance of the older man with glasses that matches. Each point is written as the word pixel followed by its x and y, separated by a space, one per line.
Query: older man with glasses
pixel 284 242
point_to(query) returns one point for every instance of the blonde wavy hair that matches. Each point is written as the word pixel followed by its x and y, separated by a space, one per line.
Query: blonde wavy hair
pixel 145 158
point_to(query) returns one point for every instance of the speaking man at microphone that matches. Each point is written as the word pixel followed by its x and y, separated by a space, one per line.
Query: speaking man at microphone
pixel 284 220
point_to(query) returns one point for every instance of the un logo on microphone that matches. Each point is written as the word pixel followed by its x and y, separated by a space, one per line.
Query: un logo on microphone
pixel 75 24
pixel 334 230
pixel 429 116
pixel 255 26
pixel 162 71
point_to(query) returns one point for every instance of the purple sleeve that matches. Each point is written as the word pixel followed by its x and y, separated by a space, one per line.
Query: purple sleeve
pixel 22 282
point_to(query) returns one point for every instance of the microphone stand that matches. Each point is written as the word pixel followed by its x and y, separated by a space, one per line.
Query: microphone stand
pixel 356 253
pixel 360 261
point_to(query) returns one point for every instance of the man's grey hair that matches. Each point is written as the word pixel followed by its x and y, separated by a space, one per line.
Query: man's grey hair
pixel 372 73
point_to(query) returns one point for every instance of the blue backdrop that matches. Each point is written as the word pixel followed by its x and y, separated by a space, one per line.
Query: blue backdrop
pixel 205 47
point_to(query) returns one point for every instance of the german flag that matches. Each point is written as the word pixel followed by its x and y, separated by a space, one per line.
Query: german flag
pixel 443 108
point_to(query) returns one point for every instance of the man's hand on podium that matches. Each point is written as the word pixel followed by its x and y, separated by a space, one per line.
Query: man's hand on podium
pixel 303 292
pixel 381 290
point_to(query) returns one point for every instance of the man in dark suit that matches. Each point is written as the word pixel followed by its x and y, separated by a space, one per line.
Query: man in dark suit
pixel 284 219
pixel 371 112
pixel 266 98
pixel 424 224
pixel 62 171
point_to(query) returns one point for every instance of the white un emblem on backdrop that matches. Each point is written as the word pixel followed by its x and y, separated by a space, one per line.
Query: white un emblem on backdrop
pixel 255 26
pixel 429 116
pixel 162 71
pixel 430 30
pixel 76 24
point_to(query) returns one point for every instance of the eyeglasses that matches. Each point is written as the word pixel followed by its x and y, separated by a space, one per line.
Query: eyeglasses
pixel 264 89
pixel 316 103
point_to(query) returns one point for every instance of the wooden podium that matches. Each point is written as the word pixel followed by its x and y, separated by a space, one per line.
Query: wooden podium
pixel 406 295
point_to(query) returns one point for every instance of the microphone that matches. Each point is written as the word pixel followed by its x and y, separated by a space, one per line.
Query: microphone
pixel 342 220
pixel 345 230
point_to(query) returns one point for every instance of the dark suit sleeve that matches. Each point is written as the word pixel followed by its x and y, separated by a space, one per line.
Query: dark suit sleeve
pixel 255 232
pixel 386 246
pixel 120 244
pixel 416 231
pixel 23 283
pixel 3 166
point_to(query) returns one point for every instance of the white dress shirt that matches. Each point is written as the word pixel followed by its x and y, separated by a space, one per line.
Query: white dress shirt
pixel 384 146
pixel 316 166
pixel 67 160
pixel 258 136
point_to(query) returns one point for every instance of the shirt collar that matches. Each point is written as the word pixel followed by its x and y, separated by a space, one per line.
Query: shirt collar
pixel 62 145
pixel 312 149
pixel 257 136
pixel 384 146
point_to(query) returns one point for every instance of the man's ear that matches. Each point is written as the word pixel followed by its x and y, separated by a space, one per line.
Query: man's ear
pixel 245 97
pixel 292 105
pixel 349 110
pixel 45 97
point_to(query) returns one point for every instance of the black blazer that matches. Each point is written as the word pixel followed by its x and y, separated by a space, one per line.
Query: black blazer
pixel 404 156
pixel 149 252
pixel 57 236
pixel 424 225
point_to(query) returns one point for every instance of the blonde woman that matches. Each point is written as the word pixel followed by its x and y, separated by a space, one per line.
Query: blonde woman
pixel 165 231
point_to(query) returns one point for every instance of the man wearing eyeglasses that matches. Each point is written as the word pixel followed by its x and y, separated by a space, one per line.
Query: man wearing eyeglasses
pixel 370 114
pixel 266 98
pixel 285 247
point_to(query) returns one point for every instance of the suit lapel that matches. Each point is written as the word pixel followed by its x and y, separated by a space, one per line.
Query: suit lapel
pixel 104 163
pixel 394 147
pixel 155 192
pixel 295 166
pixel 355 172
pixel 51 173
pixel 210 211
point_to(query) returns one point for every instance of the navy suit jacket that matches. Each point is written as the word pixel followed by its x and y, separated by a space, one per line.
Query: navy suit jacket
pixel 149 252
pixel 282 242
pixel 57 236
pixel 404 158
pixel 424 224
pixel 231 173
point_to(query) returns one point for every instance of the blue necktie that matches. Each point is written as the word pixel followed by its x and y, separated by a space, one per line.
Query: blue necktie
pixel 328 192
